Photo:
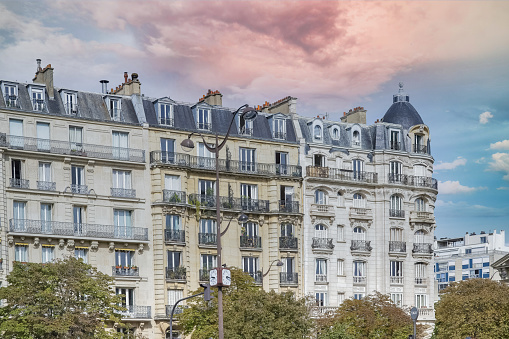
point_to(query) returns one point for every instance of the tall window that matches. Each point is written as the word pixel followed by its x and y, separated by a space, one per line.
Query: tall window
pixel 124 258
pixel 78 214
pixel 208 226
pixel 287 230
pixel 288 266
pixel 70 103
pixel 419 236
pixel 208 261
pixel 38 99
pixel 420 273
pixel 250 229
pixel 359 271
pixel 281 163
pixel 318 160
pixel 335 133
pixel 356 138
pixel 18 215
pixel 81 253
pixel 174 259
pixel 279 129
pixel 320 197
pixel 123 223
pixel 397 298
pixel 250 265
pixel 16 139
pixel 421 300
pixel 16 174
pixel 396 203
pixel 320 269
pixel 21 252
pixel 122 179
pixel 420 205
pixel 78 180
pixel 247 157
pixel 166 114
pixel 48 253
pixel 341 265
pixel 172 182
pixel 320 231
pixel 127 297
pixel 359 233
pixel 203 119
pixel 120 142
pixel 207 187
pixel 173 222
pixel 173 297
pixel 394 140
pixel 11 96
pixel 341 233
pixel 206 158
pixel 317 132
pixel 396 270
pixel 76 138
pixel 46 217
pixel 321 299
pixel 167 150
pixel 358 169
pixel 245 126
pixel 359 201
pixel 248 191
pixel 395 171
pixel 114 109
pixel 396 234
pixel 43 139
pixel 44 176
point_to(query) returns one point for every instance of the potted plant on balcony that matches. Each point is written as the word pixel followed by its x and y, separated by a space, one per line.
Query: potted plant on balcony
pixel 175 198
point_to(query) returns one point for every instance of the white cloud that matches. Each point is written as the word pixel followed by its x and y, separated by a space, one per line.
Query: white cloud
pixel 481 160
pixel 500 145
pixel 500 163
pixel 454 187
pixel 484 117
pixel 503 188
pixel 451 165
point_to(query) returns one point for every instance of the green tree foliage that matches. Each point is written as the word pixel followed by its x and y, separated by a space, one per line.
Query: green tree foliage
pixel 249 313
pixel 477 308
pixel 63 299
pixel 375 316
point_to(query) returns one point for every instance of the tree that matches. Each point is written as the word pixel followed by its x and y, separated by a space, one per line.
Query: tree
pixel 249 312
pixel 63 299
pixel 477 308
pixel 374 316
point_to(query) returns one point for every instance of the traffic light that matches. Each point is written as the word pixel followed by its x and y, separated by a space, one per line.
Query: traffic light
pixel 206 292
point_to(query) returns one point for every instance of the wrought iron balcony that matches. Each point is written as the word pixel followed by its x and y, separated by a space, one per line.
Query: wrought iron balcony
pixel 78 230
pixel 176 273
pixel 125 271
pixel 323 243
pixel 204 200
pixel 254 205
pixel 421 149
pixel 74 148
pixel 230 203
pixel 341 174
pixel 279 135
pixel 413 180
pixel 123 192
pixel 137 312
pixel 359 280
pixel 71 108
pixel 257 276
pixel 397 280
pixel 247 241
pixel 320 277
pixel 207 238
pixel 166 121
pixel 19 183
pixel 204 274
pixel 178 236
pixel 397 246
pixel 423 248
pixel 207 126
pixel 395 145
pixel 396 213
pixel 421 281
pixel 46 185
pixel 39 105
pixel 11 101
pixel 396 178
pixel 79 189
pixel 228 166
pixel 288 206
pixel 286 278
pixel 174 197
pixel 361 245
pixel 178 310
pixel 288 243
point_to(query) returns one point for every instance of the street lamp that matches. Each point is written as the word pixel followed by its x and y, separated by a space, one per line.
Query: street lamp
pixel 279 263
pixel 187 145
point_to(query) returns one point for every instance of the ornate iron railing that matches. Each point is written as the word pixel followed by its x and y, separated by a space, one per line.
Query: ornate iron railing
pixel 257 276
pixel 176 273
pixel 39 105
pixel 341 174
pixel 325 243
pixel 288 206
pixel 123 192
pixel 288 243
pixel 247 241
pixel 120 271
pixel 178 310
pixel 174 197
pixel 207 238
pixel 288 278
pixel 421 149
pixel 279 135
pixel 175 236
pixel 231 203
pixel 413 180
pixel 79 189
pixel 77 149
pixel 359 280
pixel 425 248
pixel 204 126
pixel 137 312
pixel 321 277
pixel 11 101
pixel 397 246
pixel 46 185
pixel 396 213
pixel 78 230
pixel 19 183
pixel 166 121
pixel 230 166
pixel 361 245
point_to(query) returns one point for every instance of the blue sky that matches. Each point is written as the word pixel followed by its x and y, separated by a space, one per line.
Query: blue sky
pixel 452 56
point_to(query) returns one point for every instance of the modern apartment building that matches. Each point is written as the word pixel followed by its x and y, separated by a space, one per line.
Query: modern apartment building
pixel 368 207
pixel 467 257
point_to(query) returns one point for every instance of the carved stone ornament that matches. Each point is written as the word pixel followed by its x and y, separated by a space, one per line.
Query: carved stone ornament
pixel 61 244
pixel 419 226
pixel 111 246
pixel 360 223
pixel 140 248
pixel 296 221
pixel 36 242
pixel 180 210
pixel 70 244
pixel 10 240
pixel 94 246
pixel 322 220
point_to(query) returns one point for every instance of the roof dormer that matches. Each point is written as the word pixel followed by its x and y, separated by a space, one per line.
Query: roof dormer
pixel 164 108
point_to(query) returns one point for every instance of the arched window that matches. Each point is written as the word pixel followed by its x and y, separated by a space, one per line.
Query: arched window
pixel 359 201
pixel 420 205
pixel 335 133
pixel 356 140
pixel 359 233
pixel 341 200
pixel 318 132
pixel 397 207
pixel 320 197
pixel 320 231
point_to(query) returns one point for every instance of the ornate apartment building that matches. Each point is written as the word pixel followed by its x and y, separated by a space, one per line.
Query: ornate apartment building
pixel 368 207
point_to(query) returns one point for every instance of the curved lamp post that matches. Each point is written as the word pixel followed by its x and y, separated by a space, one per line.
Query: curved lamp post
pixel 279 263
pixel 247 113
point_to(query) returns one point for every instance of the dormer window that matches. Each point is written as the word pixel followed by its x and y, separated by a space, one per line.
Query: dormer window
pixel 317 132
pixel 335 133
pixel 394 140
pixel 356 138
pixel 203 120
pixel 114 109
pixel 70 103
pixel 10 95
pixel 279 129
pixel 166 114
pixel 38 99
pixel 245 126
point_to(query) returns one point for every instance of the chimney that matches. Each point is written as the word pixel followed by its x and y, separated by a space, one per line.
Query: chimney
pixel 130 86
pixel 214 98
pixel 355 115
pixel 286 105
pixel 125 77
pixel 45 76
pixel 104 86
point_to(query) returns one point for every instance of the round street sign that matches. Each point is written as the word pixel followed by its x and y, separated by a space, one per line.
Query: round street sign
pixel 414 313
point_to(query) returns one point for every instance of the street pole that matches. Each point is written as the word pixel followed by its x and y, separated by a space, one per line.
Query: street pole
pixel 219 263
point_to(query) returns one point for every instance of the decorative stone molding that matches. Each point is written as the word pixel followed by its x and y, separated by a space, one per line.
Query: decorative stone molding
pixel 70 244
pixel 61 244
pixel 94 246
pixel 111 246
pixel 10 240
pixel 36 242
pixel 296 221
pixel 140 248
pixel 322 220
pixel 180 210
pixel 360 223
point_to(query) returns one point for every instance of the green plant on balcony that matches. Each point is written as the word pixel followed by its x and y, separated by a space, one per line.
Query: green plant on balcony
pixel 177 273
pixel 209 192
pixel 196 203
pixel 175 198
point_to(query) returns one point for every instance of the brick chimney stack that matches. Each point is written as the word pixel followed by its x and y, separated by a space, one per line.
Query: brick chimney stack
pixel 214 98
pixel 355 115
pixel 129 86
pixel 45 76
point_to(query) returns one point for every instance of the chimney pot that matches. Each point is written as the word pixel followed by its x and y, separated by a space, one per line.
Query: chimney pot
pixel 104 86
pixel 125 77
pixel 38 64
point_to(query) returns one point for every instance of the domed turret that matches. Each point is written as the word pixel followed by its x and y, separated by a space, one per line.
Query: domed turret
pixel 401 111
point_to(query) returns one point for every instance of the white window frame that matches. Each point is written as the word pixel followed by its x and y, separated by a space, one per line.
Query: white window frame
pixel 335 132
pixel 81 253
pixel 37 98
pixel 121 179
pixel 359 201
pixel 321 270
pixel 70 101
pixel 341 267
pixel 165 114
pixel 173 222
pixel 247 159
pixel 321 299
pixel 341 233
pixel 48 254
pixel 21 252
pixel 317 132
pixel 10 94
pixel 321 231
pixel 421 300
pixel 203 119
pixel 320 197
pixel 114 105
pixel 397 299
pixel 279 128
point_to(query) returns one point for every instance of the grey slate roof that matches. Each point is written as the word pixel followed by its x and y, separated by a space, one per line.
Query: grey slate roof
pixel 404 114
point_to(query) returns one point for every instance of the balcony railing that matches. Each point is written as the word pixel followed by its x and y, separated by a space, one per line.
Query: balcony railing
pixel 137 312
pixel 78 230
pixel 174 197
pixel 421 149
pixel 396 213
pixel 421 281
pixel 325 243
pixel 320 277
pixel 204 274
pixel 230 166
pixel 74 148
pixel 178 236
pixel 288 206
pixel 166 121
pixel 286 278
pixel 204 200
pixel 361 245
pixel 341 174
pixel 46 185
pixel 413 180
pixel 422 216
pixel 246 131
pixel 230 203
pixel 287 243
pixel 424 248
pixel 19 183
pixel 361 212
pixel 176 273
pixel 322 208
pixel 178 310
pixel 11 101
pixel 359 280
pixel 207 238
pixel 204 126
pixel 247 241
pixel 257 276
pixel 79 189
pixel 123 192
pixel 119 271
pixel 395 145
pixel 39 105
pixel 397 246
pixel 397 280
pixel 279 135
